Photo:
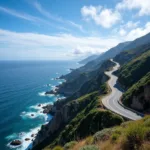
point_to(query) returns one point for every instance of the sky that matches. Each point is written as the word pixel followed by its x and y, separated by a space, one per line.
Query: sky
pixel 68 29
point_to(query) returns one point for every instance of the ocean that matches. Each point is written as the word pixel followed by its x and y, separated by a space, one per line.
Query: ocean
pixel 22 87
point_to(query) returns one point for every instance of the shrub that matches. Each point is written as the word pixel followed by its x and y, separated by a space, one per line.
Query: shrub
pixel 114 137
pixel 89 147
pixel 70 145
pixel 135 136
pixel 126 124
pixel 147 134
pixel 147 122
pixel 102 135
pixel 58 148
pixel 89 140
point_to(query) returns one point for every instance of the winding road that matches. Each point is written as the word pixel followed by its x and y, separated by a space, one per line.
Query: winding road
pixel 111 101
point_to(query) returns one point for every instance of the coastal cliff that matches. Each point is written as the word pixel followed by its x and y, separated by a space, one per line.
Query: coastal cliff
pixel 76 84
pixel 138 96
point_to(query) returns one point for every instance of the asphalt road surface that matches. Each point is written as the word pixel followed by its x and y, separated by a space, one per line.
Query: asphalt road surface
pixel 111 101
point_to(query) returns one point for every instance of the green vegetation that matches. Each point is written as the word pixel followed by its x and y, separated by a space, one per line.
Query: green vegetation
pixel 136 89
pixel 135 134
pixel 128 55
pixel 88 121
pixel 58 148
pixel 69 145
pixel 89 140
pixel 133 71
pixel 89 147
pixel 131 135
pixel 102 135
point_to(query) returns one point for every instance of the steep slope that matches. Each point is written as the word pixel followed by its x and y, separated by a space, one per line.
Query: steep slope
pixel 138 96
pixel 95 64
pixel 133 71
pixel 112 52
pixel 88 59
pixel 139 41
pixel 70 120
pixel 126 56
pixel 86 82
pixel 131 135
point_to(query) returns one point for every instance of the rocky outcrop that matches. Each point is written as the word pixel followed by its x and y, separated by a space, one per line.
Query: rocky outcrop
pixel 141 101
pixel 47 109
pixel 16 142
pixel 61 117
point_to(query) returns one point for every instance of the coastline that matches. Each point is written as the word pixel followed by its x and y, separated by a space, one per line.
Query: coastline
pixel 43 110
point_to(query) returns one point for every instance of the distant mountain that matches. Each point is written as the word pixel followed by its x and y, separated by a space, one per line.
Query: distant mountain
pixel 90 58
pixel 119 48
pixel 126 56
pixel 90 69
pixel 139 41
pixel 112 52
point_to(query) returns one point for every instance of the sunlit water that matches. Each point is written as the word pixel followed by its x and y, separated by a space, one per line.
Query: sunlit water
pixel 22 87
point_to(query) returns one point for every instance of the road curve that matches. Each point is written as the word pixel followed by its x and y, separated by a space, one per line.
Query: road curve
pixel 111 101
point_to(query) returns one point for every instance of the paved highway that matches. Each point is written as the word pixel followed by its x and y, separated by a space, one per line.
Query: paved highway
pixel 111 101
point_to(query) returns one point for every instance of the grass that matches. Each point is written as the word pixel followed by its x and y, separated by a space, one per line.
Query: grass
pixel 133 71
pixel 131 135
pixel 135 90
pixel 89 147
pixel 70 145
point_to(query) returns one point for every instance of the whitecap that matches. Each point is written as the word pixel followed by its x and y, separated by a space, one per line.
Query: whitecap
pixel 26 144
pixel 41 94
pixel 31 115
pixel 49 95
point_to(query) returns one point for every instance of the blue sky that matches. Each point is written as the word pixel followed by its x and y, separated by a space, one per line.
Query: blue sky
pixel 68 29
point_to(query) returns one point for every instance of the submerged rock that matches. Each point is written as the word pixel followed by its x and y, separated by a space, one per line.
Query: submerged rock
pixel 27 139
pixel 32 135
pixel 50 92
pixel 16 142
pixel 39 105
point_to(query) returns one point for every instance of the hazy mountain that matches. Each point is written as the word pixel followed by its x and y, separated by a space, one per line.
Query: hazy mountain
pixel 90 58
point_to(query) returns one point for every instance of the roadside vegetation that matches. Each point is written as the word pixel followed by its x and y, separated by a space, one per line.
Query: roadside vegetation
pixel 87 122
pixel 133 71
pixel 131 135
pixel 136 89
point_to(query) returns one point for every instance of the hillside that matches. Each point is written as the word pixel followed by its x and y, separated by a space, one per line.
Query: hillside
pixel 76 119
pixel 126 56
pixel 86 82
pixel 88 59
pixel 138 96
pixel 134 70
pixel 92 66
pixel 131 135
pixel 81 118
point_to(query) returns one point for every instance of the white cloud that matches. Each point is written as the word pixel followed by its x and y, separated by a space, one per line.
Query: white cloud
pixel 64 43
pixel 85 50
pixel 126 27
pixel 138 32
pixel 142 5
pixel 19 15
pixel 46 13
pixel 30 18
pixel 131 24
pixel 102 16
pixel 122 32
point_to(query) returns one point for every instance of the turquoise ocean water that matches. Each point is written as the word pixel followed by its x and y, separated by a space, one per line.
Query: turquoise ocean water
pixel 22 87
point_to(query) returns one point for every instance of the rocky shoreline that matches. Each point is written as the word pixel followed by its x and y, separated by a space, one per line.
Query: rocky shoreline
pixel 48 109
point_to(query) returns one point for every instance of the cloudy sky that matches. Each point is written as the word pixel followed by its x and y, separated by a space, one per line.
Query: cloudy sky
pixel 68 29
